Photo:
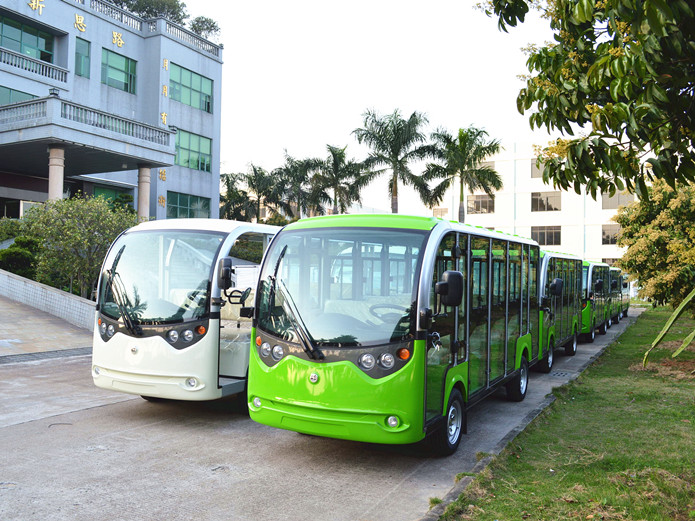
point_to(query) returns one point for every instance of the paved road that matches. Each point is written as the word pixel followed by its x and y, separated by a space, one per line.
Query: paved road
pixel 71 451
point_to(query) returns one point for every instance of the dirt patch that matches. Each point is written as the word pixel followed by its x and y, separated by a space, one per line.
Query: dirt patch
pixel 669 368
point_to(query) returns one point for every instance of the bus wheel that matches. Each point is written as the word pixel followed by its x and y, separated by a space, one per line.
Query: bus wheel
pixel 610 322
pixel 592 334
pixel 571 346
pixel 617 317
pixel 446 440
pixel 516 389
pixel 603 328
pixel 545 365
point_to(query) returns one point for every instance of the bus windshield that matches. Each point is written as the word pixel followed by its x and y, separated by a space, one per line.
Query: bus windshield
pixel 341 287
pixel 157 277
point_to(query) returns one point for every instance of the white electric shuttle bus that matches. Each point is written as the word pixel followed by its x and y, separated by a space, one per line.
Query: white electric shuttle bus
pixel 167 321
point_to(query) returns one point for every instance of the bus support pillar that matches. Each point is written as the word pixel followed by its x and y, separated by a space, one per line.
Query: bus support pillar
pixel 143 192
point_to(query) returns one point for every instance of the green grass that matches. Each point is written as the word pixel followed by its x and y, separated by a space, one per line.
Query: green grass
pixel 617 444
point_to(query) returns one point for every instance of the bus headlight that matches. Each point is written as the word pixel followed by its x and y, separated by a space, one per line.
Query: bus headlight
pixel 110 330
pixel 392 421
pixel 278 352
pixel 173 336
pixel 102 328
pixel 257 402
pixel 191 382
pixel 187 335
pixel 386 360
pixel 265 349
pixel 367 361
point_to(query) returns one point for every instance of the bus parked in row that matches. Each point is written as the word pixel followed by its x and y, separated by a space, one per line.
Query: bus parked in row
pixel 560 304
pixel 387 328
pixel 167 314
pixel 620 294
pixel 595 299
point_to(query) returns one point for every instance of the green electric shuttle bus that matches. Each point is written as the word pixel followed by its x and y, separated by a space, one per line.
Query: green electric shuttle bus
pixel 560 311
pixel 387 328
pixel 595 299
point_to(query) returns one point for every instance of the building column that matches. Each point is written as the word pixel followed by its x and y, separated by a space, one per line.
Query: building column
pixel 56 172
pixel 144 192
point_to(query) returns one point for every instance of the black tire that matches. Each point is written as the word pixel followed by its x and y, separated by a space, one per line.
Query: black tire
pixel 571 346
pixel 609 322
pixel 445 441
pixel 516 388
pixel 592 333
pixel 546 364
pixel 625 312
pixel 603 328
pixel 618 316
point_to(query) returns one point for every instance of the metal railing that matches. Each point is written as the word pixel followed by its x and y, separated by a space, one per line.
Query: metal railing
pixel 191 38
pixel 110 10
pixel 26 63
pixel 24 111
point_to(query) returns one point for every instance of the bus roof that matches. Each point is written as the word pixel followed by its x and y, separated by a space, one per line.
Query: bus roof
pixel 212 225
pixel 559 255
pixel 410 222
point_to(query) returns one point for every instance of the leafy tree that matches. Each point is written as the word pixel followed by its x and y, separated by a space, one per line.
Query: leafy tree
pixel 462 158
pixel 624 72
pixel 659 236
pixel 298 190
pixel 234 201
pixel 395 142
pixel 9 228
pixel 341 180
pixel 124 201
pixel 75 235
pixel 204 27
pixel 266 190
pixel 173 10
pixel 20 257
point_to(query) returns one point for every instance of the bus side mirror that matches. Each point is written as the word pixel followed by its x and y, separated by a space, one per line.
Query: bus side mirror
pixel 624 285
pixel 556 287
pixel 599 285
pixel 450 288
pixel 246 312
pixel 614 284
pixel 224 273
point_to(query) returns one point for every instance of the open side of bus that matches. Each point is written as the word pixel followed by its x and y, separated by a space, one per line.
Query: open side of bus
pixel 595 299
pixel 167 324
pixel 386 329
pixel 620 294
pixel 560 304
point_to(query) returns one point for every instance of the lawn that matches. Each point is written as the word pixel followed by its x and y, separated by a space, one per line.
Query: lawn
pixel 618 443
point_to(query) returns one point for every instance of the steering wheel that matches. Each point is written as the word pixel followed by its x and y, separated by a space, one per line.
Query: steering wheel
pixel 382 316
pixel 244 295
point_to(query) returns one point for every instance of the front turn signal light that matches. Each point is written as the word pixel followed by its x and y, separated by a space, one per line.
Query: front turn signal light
pixel 403 353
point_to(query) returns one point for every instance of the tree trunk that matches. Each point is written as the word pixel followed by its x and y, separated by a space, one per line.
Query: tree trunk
pixel 462 208
pixel 394 195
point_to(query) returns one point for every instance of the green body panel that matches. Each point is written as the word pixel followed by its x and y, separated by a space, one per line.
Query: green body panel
pixel 344 403
pixel 545 331
pixel 457 376
pixel 366 220
pixel 587 317
pixel 523 347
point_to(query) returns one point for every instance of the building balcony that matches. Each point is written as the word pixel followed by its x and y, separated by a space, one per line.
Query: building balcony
pixel 94 141
pixel 32 65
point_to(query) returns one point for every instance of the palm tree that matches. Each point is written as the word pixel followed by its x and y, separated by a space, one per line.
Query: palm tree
pixel 268 193
pixel 295 176
pixel 462 158
pixel 342 178
pixel 395 142
pixel 234 202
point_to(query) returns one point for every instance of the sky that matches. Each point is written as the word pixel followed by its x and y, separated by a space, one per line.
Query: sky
pixel 299 75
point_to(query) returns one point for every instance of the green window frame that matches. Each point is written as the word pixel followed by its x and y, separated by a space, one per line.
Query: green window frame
pixel 187 206
pixel 118 71
pixel 82 57
pixel 193 151
pixel 26 39
pixel 190 88
pixel 8 96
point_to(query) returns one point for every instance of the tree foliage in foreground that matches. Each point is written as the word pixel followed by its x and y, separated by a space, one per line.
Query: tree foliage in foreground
pixel 623 71
pixel 75 235
pixel 659 235
pixel 173 10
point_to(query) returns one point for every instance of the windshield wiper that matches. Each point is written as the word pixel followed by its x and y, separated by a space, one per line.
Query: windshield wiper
pixel 119 297
pixel 309 348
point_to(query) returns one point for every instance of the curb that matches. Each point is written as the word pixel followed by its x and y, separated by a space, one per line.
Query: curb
pixel 438 510
pixel 45 355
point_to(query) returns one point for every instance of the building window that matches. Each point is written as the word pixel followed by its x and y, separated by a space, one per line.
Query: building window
pixel 612 203
pixel 546 235
pixel 545 201
pixel 82 57
pixel 610 262
pixel 8 96
pixel 480 204
pixel 610 233
pixel 187 206
pixel 190 88
pixel 193 151
pixel 536 172
pixel 118 71
pixel 26 40
pixel 441 213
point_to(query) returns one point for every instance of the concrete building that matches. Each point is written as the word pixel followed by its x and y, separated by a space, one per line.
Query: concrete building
pixel 95 99
pixel 560 221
